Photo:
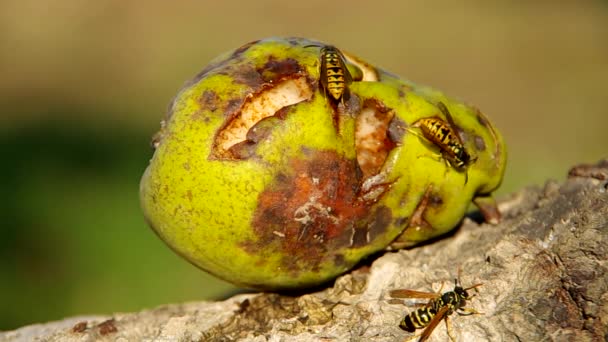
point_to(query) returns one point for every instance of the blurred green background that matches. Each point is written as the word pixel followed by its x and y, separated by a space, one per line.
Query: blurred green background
pixel 84 85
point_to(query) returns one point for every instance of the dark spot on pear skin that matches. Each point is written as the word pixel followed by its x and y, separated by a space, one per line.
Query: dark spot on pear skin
pixel 396 130
pixel 481 118
pixel 359 237
pixel 243 48
pixel 401 221
pixel 381 221
pixel 308 214
pixel 435 200
pixel 339 260
pixel 209 100
pixel 242 150
pixel 480 144
pixel 277 69
pixel 232 106
pixel 247 75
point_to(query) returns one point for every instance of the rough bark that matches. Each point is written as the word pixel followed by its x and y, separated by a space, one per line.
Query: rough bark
pixel 543 270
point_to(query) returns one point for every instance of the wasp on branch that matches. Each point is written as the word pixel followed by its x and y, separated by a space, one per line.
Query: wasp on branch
pixel 438 308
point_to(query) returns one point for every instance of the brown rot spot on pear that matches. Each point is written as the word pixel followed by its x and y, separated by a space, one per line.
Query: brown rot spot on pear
pixel 435 200
pixel 278 69
pixel 380 222
pixel 480 144
pixel 339 260
pixel 243 150
pixel 401 221
pixel 396 130
pixel 247 75
pixel 401 94
pixel 348 106
pixel 209 100
pixel 372 141
pixel 232 106
pixel 255 108
pixel 311 214
pixel 359 238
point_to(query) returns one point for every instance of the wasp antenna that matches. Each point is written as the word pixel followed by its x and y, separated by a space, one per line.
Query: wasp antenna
pixel 474 286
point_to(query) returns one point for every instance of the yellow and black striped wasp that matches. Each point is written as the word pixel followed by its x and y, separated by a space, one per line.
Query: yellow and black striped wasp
pixel 334 75
pixel 445 136
pixel 438 308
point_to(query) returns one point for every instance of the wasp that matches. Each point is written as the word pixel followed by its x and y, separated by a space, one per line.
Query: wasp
pixel 445 136
pixel 334 75
pixel 438 308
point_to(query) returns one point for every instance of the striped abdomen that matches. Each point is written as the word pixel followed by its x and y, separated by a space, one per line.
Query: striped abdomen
pixel 334 74
pixel 419 319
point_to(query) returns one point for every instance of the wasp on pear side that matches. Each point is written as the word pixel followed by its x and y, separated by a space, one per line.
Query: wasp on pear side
pixel 438 308
pixel 445 136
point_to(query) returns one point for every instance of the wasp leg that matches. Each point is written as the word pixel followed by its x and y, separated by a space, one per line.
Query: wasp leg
pixel 436 156
pixel 414 338
pixel 439 157
pixel 416 224
pixel 468 312
pixel 441 288
pixel 411 338
pixel 487 207
pixel 448 327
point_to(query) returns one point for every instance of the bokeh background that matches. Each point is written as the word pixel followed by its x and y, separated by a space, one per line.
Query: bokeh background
pixel 84 84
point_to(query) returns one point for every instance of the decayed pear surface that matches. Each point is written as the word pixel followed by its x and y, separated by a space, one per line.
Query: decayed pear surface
pixel 259 178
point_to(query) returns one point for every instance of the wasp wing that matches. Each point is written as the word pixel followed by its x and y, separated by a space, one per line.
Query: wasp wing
pixel 348 78
pixel 404 293
pixel 448 116
pixel 433 324
pixel 323 72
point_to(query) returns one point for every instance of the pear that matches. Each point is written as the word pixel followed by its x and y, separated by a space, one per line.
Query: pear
pixel 263 179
